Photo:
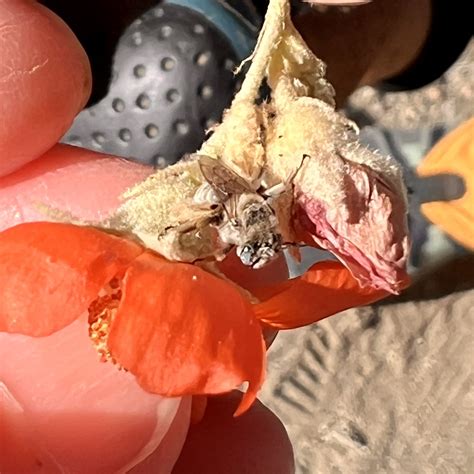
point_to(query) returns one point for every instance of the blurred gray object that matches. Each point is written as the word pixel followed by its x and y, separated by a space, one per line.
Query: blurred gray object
pixel 172 78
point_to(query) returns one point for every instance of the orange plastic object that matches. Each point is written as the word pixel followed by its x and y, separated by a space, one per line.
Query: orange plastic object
pixel 454 154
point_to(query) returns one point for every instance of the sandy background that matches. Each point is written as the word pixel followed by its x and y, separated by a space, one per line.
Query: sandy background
pixel 389 389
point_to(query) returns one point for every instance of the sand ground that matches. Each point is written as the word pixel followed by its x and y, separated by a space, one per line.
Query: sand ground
pixel 388 389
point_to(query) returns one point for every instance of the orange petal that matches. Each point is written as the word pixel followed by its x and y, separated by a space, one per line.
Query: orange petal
pixel 325 289
pixel 181 330
pixel 50 273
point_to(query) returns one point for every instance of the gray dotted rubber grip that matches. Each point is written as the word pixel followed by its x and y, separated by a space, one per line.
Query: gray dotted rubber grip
pixel 172 79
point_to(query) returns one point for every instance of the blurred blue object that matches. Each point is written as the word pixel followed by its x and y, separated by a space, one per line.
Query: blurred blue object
pixel 239 28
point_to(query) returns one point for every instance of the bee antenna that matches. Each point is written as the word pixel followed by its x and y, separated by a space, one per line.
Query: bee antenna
pixel 232 220
pixel 286 245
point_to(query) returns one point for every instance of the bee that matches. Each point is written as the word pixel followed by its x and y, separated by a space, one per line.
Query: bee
pixel 249 222
pixel 217 212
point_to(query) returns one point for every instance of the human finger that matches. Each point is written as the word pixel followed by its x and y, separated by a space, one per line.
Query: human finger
pixel 45 81
pixel 255 442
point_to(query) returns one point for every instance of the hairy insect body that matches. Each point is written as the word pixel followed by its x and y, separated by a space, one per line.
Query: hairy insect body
pixel 253 231
pixel 248 220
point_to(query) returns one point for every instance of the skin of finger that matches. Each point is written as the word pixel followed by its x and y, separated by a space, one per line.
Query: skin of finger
pixel 255 442
pixel 45 80
pixel 71 179
pixel 64 402
pixel 165 455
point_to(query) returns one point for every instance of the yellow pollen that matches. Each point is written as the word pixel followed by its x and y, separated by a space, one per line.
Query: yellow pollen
pixel 101 314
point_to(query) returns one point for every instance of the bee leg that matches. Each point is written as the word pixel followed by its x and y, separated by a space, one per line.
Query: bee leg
pixel 275 191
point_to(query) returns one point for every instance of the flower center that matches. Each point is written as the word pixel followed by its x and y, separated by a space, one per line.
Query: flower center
pixel 101 314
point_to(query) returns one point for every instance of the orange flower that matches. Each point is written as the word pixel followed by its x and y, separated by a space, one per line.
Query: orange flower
pixel 179 329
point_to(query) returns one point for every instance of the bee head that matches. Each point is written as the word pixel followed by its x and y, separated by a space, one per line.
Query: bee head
pixel 257 254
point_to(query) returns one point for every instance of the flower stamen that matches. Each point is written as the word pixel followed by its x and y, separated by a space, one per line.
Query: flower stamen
pixel 101 314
